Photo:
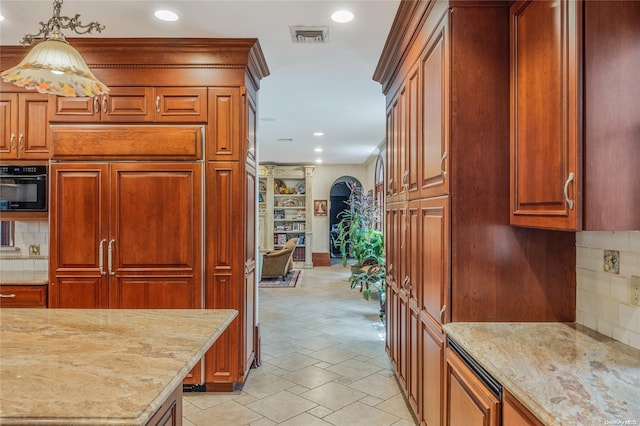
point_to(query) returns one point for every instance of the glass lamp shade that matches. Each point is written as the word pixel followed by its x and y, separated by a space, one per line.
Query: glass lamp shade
pixel 54 66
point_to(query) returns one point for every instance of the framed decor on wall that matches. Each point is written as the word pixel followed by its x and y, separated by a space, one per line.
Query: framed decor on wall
pixel 319 207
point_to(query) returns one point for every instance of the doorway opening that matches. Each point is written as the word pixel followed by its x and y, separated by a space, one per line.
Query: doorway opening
pixel 338 197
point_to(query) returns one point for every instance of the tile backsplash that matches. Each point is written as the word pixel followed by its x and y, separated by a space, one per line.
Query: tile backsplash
pixel 603 299
pixel 27 234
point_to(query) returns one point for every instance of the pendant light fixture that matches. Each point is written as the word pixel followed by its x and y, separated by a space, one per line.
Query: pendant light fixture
pixel 53 65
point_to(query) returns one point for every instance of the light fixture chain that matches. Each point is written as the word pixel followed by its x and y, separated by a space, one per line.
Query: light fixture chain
pixel 56 23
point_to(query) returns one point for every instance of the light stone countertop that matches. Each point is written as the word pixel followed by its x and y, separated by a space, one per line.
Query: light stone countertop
pixel 24 277
pixel 565 374
pixel 98 366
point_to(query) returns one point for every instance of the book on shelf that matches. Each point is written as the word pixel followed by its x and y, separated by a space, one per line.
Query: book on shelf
pixel 282 239
pixel 301 239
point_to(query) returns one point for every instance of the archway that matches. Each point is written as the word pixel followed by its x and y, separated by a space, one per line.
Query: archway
pixel 338 196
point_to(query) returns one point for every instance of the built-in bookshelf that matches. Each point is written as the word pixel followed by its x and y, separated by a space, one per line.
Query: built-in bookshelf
pixel 284 190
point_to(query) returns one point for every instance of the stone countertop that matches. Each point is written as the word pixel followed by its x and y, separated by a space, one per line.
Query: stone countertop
pixel 24 277
pixel 565 374
pixel 98 366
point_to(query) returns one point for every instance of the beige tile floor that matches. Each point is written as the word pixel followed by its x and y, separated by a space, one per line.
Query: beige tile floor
pixel 323 363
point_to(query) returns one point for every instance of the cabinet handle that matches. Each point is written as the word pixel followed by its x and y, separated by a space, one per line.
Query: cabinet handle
pixel 105 105
pixel 96 104
pixel 13 142
pixel 444 157
pixel 20 141
pixel 8 296
pixel 442 311
pixel 110 257
pixel 405 282
pixel 566 191
pixel 390 186
pixel 157 103
pixel 101 257
pixel 405 175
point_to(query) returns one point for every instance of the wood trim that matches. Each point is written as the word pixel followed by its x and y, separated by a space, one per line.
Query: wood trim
pixel 321 259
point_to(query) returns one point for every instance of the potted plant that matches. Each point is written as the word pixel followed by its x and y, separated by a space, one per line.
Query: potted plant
pixel 358 236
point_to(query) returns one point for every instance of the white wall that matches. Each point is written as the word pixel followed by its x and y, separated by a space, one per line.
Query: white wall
pixel 603 298
pixel 323 179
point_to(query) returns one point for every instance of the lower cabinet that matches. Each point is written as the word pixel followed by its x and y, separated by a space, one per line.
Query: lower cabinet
pixel 468 400
pixel 23 296
pixel 516 414
pixel 432 372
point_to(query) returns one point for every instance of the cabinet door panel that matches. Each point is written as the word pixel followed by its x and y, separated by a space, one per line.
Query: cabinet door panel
pixel 224 139
pixel 545 114
pixel 432 372
pixel 183 104
pixel 128 104
pixel 435 115
pixel 155 217
pixel 153 293
pixel 79 231
pixel 8 125
pixel 435 224
pixel 74 109
pixel 414 141
pixel 23 296
pixel 33 141
pixel 469 401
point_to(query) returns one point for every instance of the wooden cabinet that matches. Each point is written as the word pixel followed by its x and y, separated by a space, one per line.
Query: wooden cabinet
pixel 125 235
pixel 516 414
pixel 573 116
pixel 468 400
pixel 450 245
pixel 545 114
pixel 23 126
pixel 23 296
pixel 133 104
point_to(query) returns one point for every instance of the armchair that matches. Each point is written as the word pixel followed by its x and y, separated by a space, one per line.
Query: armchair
pixel 278 263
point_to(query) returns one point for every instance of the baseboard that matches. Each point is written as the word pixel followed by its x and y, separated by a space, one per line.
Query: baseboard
pixel 321 259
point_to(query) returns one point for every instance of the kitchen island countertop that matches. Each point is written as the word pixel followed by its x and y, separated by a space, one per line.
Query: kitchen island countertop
pixel 565 374
pixel 98 366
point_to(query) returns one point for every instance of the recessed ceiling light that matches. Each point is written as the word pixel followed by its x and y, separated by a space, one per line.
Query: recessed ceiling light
pixel 342 16
pixel 166 15
pixel 318 134
pixel 319 160
pixel 1 18
pixel 318 149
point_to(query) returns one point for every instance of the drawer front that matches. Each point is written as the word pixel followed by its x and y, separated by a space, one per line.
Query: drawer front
pixel 23 296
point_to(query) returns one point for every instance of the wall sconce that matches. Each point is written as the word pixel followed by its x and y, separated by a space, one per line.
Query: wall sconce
pixel 53 65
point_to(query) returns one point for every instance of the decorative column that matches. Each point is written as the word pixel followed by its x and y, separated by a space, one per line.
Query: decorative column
pixel 308 181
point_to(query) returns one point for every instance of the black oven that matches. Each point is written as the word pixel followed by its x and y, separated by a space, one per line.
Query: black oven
pixel 23 188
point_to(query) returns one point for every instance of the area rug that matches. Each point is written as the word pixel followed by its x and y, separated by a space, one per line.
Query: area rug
pixel 289 281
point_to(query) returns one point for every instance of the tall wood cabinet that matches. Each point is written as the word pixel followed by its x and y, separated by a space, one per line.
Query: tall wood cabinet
pixel 153 185
pixel 452 254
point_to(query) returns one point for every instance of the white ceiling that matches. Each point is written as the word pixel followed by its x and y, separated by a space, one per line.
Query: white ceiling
pixel 312 87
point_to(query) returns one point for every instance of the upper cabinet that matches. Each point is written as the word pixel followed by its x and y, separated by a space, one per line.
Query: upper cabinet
pixel 134 104
pixel 575 144
pixel 23 126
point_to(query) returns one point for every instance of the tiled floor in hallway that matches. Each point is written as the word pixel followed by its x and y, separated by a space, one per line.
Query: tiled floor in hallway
pixel 323 363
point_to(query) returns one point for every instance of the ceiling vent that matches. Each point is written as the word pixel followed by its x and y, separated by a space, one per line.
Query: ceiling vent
pixel 302 34
pixel 285 139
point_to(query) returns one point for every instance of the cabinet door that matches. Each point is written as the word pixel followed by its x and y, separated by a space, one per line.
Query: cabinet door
pixel 432 372
pixel 223 276
pixel 8 125
pixel 33 139
pixel 128 104
pixel 391 153
pixel 434 158
pixel 545 114
pixel 181 104
pixel 224 138
pixel 468 401
pixel 410 177
pixel 516 414
pixel 155 235
pixel 73 109
pixel 435 235
pixel 78 221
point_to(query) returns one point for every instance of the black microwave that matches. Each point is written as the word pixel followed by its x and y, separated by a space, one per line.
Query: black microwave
pixel 23 188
